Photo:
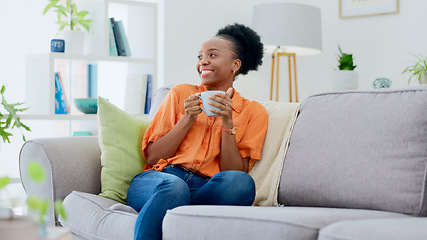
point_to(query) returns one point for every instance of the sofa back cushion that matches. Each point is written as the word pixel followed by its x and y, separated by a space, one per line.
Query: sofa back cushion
pixel 359 149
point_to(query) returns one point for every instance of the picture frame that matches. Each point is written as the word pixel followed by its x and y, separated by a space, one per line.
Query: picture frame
pixel 360 8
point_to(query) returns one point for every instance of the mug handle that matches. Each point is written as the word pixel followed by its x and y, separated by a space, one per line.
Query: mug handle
pixel 203 108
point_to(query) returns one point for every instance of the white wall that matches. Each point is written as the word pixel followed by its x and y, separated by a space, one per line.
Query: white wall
pixel 381 44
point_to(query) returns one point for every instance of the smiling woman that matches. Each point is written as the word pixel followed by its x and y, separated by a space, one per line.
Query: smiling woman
pixel 193 158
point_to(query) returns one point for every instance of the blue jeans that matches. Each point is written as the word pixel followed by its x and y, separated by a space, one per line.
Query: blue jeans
pixel 152 193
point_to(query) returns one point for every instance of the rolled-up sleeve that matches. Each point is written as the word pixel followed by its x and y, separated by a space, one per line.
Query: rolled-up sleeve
pixel 254 134
pixel 163 121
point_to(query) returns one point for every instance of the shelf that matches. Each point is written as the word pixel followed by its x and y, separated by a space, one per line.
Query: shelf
pixel 55 117
pixel 58 117
pixel 91 58
pixel 144 3
pixel 95 72
pixel 66 117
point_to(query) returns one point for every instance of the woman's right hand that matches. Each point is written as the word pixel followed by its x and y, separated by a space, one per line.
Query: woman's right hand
pixel 192 107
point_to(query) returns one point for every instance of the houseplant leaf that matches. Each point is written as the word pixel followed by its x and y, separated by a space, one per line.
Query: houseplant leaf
pixel 59 209
pixel 4 181
pixel 34 203
pixel 50 5
pixel 36 172
pixel 417 69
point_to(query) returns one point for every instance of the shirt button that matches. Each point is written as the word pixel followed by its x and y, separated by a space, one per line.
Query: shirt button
pixel 197 161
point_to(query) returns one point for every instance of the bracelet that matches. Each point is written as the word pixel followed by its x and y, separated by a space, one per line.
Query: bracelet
pixel 231 131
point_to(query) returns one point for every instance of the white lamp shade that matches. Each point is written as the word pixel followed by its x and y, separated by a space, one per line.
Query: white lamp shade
pixel 296 28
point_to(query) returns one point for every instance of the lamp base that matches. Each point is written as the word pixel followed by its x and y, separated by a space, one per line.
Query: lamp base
pixel 292 67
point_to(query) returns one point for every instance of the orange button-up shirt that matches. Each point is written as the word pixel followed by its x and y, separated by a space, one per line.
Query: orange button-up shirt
pixel 200 150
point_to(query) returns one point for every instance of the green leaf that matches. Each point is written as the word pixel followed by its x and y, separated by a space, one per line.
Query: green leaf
pixel 69 2
pixel 345 60
pixel 4 181
pixel 36 172
pixel 5 135
pixel 62 27
pixel 63 9
pixel 60 13
pixel 25 127
pixel 49 6
pixel 63 23
pixel 74 8
pixel 60 210
pixel 3 88
pixel 34 203
pixel 43 208
pixel 86 24
pixel 82 14
pixel 417 68
pixel 8 120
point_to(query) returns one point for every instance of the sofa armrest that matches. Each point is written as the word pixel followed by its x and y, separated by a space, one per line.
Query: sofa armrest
pixel 70 163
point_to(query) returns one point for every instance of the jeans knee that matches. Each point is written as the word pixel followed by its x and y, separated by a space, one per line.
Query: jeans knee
pixel 239 184
pixel 158 185
pixel 176 189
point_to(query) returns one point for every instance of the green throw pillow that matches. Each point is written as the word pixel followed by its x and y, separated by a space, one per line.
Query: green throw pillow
pixel 120 137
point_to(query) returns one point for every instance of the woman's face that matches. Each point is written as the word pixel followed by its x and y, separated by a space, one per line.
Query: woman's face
pixel 216 63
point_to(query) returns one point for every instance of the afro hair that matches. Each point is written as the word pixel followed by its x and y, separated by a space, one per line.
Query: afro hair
pixel 247 45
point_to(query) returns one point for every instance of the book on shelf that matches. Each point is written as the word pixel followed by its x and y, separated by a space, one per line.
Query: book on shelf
pixel 148 95
pixel 61 102
pixel 92 80
pixel 136 90
pixel 113 47
pixel 122 44
pixel 123 37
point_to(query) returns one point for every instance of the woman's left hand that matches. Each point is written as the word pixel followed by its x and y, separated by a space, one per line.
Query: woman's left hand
pixel 223 102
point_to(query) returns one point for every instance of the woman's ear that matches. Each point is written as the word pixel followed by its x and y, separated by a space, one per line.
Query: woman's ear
pixel 236 65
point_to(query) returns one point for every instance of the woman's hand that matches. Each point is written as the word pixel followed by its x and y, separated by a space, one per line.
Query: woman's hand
pixel 223 102
pixel 192 107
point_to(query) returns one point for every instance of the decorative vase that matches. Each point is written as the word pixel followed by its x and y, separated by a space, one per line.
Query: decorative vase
pixel 345 80
pixel 423 79
pixel 74 41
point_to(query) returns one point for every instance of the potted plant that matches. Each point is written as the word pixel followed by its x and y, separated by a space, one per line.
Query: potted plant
pixel 7 220
pixel 24 227
pixel 345 78
pixel 70 19
pixel 418 69
pixel 12 120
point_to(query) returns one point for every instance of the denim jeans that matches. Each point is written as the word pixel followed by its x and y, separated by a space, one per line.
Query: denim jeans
pixel 152 193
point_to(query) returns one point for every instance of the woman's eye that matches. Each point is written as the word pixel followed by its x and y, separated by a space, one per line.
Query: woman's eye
pixel 199 57
pixel 212 55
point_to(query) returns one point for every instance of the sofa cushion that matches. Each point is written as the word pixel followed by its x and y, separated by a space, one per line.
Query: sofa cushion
pixel 94 217
pixel 234 222
pixel 360 149
pixel 376 229
pixel 120 140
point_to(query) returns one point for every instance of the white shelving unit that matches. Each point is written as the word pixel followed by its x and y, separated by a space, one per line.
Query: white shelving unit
pixel 140 20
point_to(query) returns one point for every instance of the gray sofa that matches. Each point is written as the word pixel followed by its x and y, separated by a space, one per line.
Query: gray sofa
pixel 355 169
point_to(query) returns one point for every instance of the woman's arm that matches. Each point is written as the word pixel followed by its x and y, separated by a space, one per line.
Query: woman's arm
pixel 230 155
pixel 230 158
pixel 166 146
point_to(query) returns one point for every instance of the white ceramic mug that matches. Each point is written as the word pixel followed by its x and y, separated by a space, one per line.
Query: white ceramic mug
pixel 205 99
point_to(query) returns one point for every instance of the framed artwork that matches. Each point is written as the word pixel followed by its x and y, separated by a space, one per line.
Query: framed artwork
pixel 358 8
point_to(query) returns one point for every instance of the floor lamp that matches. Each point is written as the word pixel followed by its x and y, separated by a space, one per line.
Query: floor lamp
pixel 276 66
pixel 290 30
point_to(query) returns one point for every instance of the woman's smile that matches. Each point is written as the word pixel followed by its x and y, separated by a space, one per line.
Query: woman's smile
pixel 206 72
